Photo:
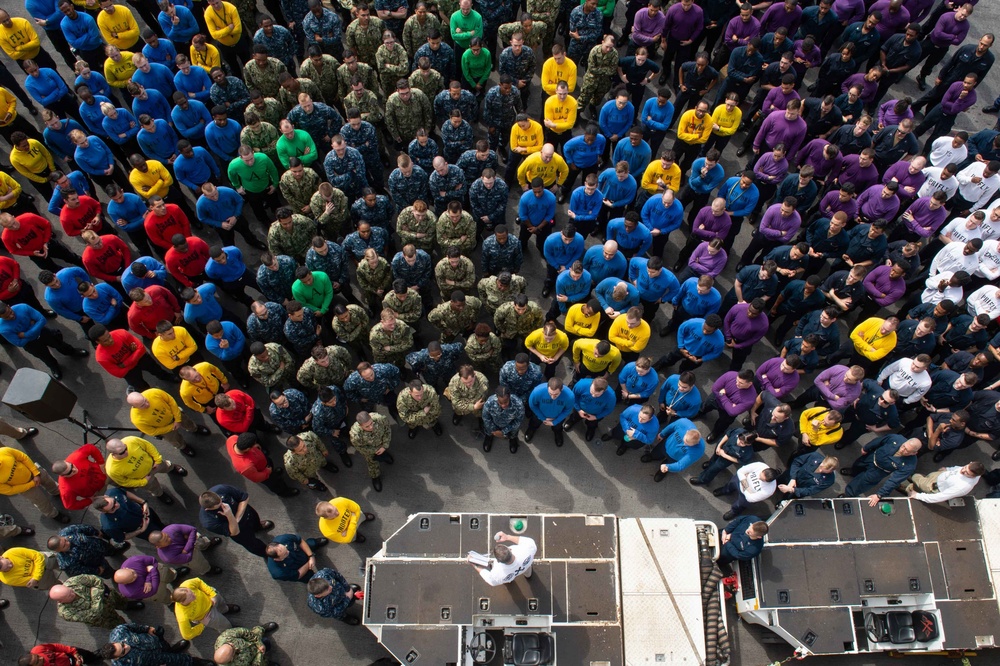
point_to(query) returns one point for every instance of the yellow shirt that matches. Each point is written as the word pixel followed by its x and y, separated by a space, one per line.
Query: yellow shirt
pixel 583 352
pixel 818 433
pixel 206 59
pixel 536 341
pixel 33 162
pixel 189 617
pixel 654 170
pixel 16 471
pixel 692 130
pixel 196 396
pixel 131 471
pixel 7 185
pixel 553 73
pixel 563 114
pixel 174 353
pixel 532 138
pixel 28 565
pixel 342 528
pixel 119 73
pixel 628 339
pixel 869 342
pixel 8 104
pixel 219 22
pixel 728 122
pixel 20 41
pixel 552 172
pixel 120 23
pixel 156 180
pixel 579 324
pixel 161 415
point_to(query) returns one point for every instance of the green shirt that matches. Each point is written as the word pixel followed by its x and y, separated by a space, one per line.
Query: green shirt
pixel 254 179
pixel 464 28
pixel 317 295
pixel 296 147
pixel 476 69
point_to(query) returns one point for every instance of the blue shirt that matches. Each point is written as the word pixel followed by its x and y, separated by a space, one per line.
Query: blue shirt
pixel 196 170
pixel 130 282
pixel 214 213
pixel 160 144
pixel 604 291
pixel 545 407
pixel 92 116
pixel 82 33
pixel 560 254
pixel 711 181
pixel 686 405
pixel 599 406
pixel 47 10
pixel 224 141
pixel 695 304
pixel 615 121
pixel 125 124
pixel 537 209
pixel 192 122
pixel 58 140
pixel 288 568
pixel 664 287
pixel 643 385
pixel 574 290
pixel 106 306
pixel 96 82
pixel 184 30
pixel 26 320
pixel 600 268
pixel 739 202
pixel 47 87
pixel 232 270
pixel 78 182
pixel 636 156
pixel 196 81
pixel 205 311
pixel 706 347
pixel 655 117
pixel 155 105
pixel 159 78
pixel 665 218
pixel 132 209
pixel 580 154
pixel 586 207
pixel 236 340
pixel 95 158
pixel 66 300
pixel 164 54
pixel 644 432
pixel 619 192
pixel 636 241
pixel 673 443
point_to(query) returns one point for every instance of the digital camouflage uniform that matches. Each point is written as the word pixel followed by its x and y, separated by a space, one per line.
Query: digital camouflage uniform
pixel 355 328
pixel 335 604
pixel 513 326
pixel 450 234
pixel 445 9
pixel 87 551
pixel 289 100
pixel 333 263
pixel 453 323
pixel 264 79
pixel 393 65
pixel 233 94
pixel 464 398
pixel 520 385
pixel 272 112
pixel 590 27
pixel 430 83
pixel 298 192
pixel 391 346
pixel 96 605
pixel 493 296
pixel 327 25
pixel 491 203
pixel 545 11
pixel 361 69
pixel 304 468
pixel 418 274
pixel 508 421
pixel 346 173
pixel 313 375
pixel 365 40
pixel 484 357
pixel 265 140
pixel 367 443
pixel 444 104
pixel 411 410
pixel 439 371
pixel 290 418
pixel 450 278
pixel 365 140
pixel 372 280
pixel 455 140
pixel 324 121
pixel 277 285
pixel 532 40
pixel 409 309
pixel 277 371
pixel 269 329
pixel 472 167
pixel 302 334
pixel 497 257
pixel 368 105
pixel 246 644
pixel 601 67
pixel 423 156
pixel 281 44
pixel 328 419
pixel 294 243
pixel 408 226
pixel 403 120
pixel 331 216
pixel 372 393
pixel 415 33
pixel 145 649
pixel 405 190
pixel 325 76
pixel 499 112
pixel 519 67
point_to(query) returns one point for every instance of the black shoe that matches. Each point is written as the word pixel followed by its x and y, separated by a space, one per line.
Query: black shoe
pixel 514 446
pixel 741 152
pixel 529 435
pixel 695 481
pixel 32 110
pixel 166 499
pixel 990 109
pixel 456 419
pixel 351 620
pixel 388 458
pixel 438 430
pixel 728 515
pixel 330 467
pixel 214 571
pixel 921 84
pixel 28 433
pixel 189 452
pixel 620 451
pixel 412 433
pixel 63 518
pixel 232 610
pixel 369 516
pixel 180 646
pixel 26 532
pixel 266 526
pixel 377 484
pixel 177 470
pixel 270 627
pixel 839 445
pixel 359 537
pixel 50 314
pixel 56 372
pixel 719 492
pixel 659 476
pixel 846 471
pixel 645 457
pixel 546 292
pixel 213 543
pixel 182 571
pixel 711 438
pixel 664 332
pixel 4 604
pixel 321 542
pixel 346 460
pixel 487 444
pixel 272 428
pixel 996 455
pixel 567 425
pixel 559 438
pixel 606 437
pixel 317 486
pixel 705 464
pixel 291 492
pixel 589 436
pixel 202 430
pixel 134 605
pixel 79 353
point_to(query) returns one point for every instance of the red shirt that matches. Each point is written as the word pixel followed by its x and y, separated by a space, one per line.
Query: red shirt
pixel 144 320
pixel 56 654
pixel 186 265
pixel 10 278
pixel 75 221
pixel 123 354
pixel 33 235
pixel 77 491
pixel 252 464
pixel 161 228
pixel 240 417
pixel 108 262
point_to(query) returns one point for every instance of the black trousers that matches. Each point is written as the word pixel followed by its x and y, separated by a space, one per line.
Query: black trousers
pixel 135 377
pixel 49 339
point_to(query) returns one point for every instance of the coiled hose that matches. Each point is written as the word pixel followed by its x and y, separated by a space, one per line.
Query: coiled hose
pixel 717 646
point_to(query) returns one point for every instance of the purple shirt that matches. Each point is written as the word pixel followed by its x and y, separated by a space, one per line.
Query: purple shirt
pixel 776 17
pixel 953 103
pixel 813 155
pixel 704 262
pixel 774 381
pixel 777 129
pixel 770 171
pixel 919 9
pixel 891 23
pixel 138 564
pixel 683 25
pixel 831 204
pixel 888 116
pixel 814 57
pixel 862 177
pixel 872 205
pixel 735 400
pixel 868 88
pixel 647 29
pixel 900 172
pixel 878 282
pixel 949 32
pixel 778 99
pixel 744 31
pixel 743 330
pixel 776 227
pixel 925 222
pixel 715 226
pixel 849 11
pixel 181 549
pixel 839 394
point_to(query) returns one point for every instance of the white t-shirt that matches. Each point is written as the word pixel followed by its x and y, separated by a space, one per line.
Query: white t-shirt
pixel 911 385
pixel 501 574
pixel 989 260
pixel 958 232
pixel 952 257
pixel 943 152
pixel 934 183
pixel 984 301
pixel 951 483
pixel 754 488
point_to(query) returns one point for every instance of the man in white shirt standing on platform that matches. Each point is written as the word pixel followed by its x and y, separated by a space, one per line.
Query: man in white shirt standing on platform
pixel 945 484
pixel 513 557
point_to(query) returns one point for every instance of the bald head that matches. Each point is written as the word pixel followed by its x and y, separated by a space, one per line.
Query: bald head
pixel 224 654
pixel 136 399
pixel 117 446
pixel 611 247
pixel 62 594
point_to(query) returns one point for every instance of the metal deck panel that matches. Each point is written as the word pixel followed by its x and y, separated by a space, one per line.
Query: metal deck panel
pixel 580 537
pixel 441 538
pixel 512 598
pixel 418 590
pixel 965 620
pixel 423 646
pixel 966 571
pixel 824 631
pixel 897 526
pixel 592 592
pixel 892 569
pixel 941 522
pixel 582 646
pixel 804 522
pixel 832 571
pixel 850 525
pixel 783 578
pixel 936 568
